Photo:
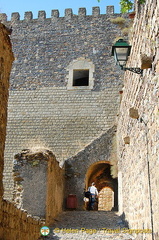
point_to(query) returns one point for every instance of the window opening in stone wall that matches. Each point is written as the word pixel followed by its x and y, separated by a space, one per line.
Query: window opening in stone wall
pixel 80 74
pixel 81 77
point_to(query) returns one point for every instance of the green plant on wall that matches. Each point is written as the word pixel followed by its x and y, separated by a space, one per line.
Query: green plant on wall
pixel 118 20
pixel 127 5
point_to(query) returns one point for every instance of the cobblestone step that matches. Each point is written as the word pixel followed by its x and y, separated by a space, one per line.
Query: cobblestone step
pixel 89 225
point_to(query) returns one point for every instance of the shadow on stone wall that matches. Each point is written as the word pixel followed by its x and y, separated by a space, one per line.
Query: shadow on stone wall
pixel 124 221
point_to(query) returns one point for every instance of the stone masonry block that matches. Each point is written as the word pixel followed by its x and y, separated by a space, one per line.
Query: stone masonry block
pixel 95 11
pixel 55 13
pixel 127 140
pixel 41 15
pixel 133 113
pixel 3 17
pixel 82 12
pixel 28 16
pixel 68 13
pixel 110 10
pixel 15 16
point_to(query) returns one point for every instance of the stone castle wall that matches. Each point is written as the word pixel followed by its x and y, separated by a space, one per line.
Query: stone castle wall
pixel 138 160
pixel 14 223
pixel 6 59
pixel 45 110
pixel 17 224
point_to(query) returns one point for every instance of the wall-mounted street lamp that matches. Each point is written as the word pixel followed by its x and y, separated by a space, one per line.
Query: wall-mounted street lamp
pixel 121 50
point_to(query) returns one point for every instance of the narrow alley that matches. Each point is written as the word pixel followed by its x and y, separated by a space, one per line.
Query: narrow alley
pixel 89 225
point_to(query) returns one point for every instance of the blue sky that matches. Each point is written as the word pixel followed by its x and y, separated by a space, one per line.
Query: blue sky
pixel 21 6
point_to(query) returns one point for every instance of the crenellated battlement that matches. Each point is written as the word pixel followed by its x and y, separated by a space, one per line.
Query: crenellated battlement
pixel 55 14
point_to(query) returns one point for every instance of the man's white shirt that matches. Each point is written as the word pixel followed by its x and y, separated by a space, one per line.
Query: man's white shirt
pixel 93 190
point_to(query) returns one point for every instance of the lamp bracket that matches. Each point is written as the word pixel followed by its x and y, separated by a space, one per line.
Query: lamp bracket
pixel 135 70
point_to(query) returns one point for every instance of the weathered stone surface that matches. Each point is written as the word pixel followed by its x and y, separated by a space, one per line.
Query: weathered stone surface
pixel 32 179
pixel 138 161
pixel 55 190
pixel 12 223
pixel 6 59
pixel 16 224
pixel 39 183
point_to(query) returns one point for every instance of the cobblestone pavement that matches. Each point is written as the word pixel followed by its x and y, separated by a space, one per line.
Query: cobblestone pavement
pixel 89 225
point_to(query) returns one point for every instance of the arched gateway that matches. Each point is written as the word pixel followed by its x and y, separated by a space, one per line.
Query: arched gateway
pixel 96 163
pixel 100 173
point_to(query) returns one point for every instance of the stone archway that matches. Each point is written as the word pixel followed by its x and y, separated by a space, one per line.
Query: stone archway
pixel 100 173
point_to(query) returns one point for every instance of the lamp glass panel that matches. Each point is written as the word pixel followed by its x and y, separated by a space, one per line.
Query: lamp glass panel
pixel 121 55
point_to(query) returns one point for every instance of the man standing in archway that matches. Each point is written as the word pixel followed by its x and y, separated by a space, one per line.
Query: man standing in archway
pixel 94 193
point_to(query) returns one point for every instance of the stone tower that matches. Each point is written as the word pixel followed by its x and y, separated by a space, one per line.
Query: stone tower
pixel 64 87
